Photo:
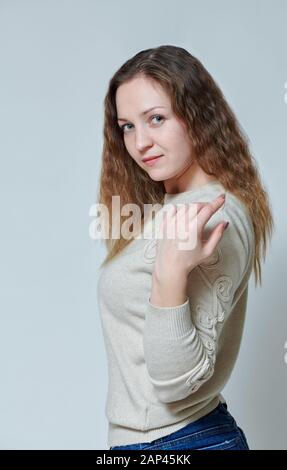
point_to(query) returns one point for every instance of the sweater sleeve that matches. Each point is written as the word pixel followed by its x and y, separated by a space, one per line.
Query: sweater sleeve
pixel 180 343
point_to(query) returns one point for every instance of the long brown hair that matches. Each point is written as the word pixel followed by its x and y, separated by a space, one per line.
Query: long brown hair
pixel 220 145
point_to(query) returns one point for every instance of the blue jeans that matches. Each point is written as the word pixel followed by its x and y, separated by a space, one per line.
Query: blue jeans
pixel 217 430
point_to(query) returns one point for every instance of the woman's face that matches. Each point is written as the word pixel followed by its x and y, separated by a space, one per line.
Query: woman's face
pixel 157 132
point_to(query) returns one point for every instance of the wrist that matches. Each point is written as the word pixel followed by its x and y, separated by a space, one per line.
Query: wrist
pixel 171 276
pixel 168 291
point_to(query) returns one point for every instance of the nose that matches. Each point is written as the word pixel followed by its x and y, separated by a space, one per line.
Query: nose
pixel 143 139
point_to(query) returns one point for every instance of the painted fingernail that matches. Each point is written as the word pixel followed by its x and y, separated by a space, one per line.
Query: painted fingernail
pixel 226 225
pixel 222 196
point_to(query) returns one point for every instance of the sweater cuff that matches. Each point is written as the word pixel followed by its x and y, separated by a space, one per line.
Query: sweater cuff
pixel 170 322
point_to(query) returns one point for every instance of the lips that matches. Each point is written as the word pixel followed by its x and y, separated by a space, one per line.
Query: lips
pixel 152 157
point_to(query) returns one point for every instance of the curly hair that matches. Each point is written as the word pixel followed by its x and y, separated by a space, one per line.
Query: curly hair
pixel 220 146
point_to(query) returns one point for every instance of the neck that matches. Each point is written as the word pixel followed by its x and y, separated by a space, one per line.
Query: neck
pixel 190 178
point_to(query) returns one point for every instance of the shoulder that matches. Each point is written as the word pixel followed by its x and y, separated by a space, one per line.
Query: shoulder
pixel 240 222
pixel 235 251
pixel 234 210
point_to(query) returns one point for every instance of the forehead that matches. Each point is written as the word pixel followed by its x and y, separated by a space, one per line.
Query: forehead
pixel 139 94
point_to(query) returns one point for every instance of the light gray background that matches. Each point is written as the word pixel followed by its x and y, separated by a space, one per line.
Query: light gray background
pixel 56 58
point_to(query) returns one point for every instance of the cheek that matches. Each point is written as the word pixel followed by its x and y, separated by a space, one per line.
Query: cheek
pixel 174 134
pixel 184 145
pixel 128 145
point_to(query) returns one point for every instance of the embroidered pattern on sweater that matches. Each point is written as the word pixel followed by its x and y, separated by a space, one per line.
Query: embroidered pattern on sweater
pixel 213 260
pixel 207 328
pixel 150 251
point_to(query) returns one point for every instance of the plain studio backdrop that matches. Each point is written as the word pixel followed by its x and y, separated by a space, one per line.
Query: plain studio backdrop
pixel 56 58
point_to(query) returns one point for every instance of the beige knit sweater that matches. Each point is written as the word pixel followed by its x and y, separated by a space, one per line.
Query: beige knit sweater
pixel 167 366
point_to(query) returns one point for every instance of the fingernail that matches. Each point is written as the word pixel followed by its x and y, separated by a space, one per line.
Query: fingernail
pixel 226 225
pixel 222 196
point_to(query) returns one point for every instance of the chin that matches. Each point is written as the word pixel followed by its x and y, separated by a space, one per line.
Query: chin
pixel 156 178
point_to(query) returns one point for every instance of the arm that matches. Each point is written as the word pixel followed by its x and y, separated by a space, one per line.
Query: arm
pixel 181 331
pixel 168 292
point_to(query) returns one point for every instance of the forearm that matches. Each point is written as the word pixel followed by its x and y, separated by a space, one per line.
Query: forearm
pixel 176 359
pixel 168 291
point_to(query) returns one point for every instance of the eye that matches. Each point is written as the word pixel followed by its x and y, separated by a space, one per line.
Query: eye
pixel 154 116
pixel 123 126
pixel 157 115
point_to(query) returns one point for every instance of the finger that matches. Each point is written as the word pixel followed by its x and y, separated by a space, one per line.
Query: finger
pixel 184 214
pixel 188 212
pixel 177 212
pixel 213 240
pixel 167 220
pixel 201 205
pixel 181 208
pixel 185 218
pixel 208 210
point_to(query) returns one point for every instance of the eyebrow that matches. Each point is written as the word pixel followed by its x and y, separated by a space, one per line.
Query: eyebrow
pixel 143 113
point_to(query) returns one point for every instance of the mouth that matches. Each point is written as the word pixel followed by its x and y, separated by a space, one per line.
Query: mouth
pixel 151 159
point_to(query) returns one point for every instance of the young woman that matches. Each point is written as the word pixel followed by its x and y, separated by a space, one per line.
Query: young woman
pixel 173 317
